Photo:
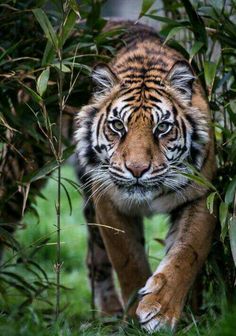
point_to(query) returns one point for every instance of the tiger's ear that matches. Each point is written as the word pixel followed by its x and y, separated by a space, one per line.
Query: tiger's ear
pixel 181 77
pixel 104 78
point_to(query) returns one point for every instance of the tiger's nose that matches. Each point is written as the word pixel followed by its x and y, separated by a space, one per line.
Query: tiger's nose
pixel 137 169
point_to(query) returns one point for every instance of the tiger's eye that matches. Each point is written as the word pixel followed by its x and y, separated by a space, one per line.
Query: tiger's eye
pixel 163 127
pixel 118 125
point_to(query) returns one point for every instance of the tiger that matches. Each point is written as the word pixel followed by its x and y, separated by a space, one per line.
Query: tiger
pixel 146 128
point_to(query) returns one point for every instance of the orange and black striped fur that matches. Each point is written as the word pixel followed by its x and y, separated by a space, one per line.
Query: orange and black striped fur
pixel 147 124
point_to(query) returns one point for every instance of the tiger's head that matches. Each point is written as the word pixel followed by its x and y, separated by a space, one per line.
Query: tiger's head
pixel 140 130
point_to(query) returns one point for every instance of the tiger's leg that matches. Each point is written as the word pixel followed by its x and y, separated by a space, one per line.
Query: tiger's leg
pixel 124 241
pixel 100 269
pixel 188 245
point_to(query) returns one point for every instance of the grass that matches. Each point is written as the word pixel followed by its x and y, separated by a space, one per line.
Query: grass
pixel 76 299
pixel 76 312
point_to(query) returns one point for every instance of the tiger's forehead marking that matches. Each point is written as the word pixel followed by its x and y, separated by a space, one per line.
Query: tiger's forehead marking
pixel 154 112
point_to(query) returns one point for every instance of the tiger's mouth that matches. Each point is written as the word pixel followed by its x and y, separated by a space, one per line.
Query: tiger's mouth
pixel 135 187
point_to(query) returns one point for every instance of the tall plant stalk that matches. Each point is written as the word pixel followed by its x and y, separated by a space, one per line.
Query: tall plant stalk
pixel 58 206
pixel 59 161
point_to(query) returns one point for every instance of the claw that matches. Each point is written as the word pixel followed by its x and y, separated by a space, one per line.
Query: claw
pixel 145 316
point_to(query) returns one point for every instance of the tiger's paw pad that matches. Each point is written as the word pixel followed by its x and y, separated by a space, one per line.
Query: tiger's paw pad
pixel 158 308
pixel 153 316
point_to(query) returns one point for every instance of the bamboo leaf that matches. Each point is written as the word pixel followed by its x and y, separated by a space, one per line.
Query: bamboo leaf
pixel 75 7
pixel 9 50
pixel 8 237
pixel 49 167
pixel 16 285
pixel 210 202
pixel 167 20
pixel 32 93
pixel 174 44
pixel 68 198
pixel 195 49
pixel 230 191
pixel 46 26
pixel 232 237
pixel 74 184
pixel 210 69
pixel 146 5
pixel 172 33
pixel 19 279
pixel 48 55
pixel 42 81
pixel 36 265
pixel 197 23
pixel 67 27
pixel 62 67
pixel 223 214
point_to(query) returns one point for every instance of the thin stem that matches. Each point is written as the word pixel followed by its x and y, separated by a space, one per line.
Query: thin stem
pixel 92 281
pixel 59 160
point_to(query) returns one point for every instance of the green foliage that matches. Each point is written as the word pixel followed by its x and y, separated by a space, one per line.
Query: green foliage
pixel 47 50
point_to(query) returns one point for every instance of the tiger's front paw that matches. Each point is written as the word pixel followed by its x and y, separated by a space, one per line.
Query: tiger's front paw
pixel 160 306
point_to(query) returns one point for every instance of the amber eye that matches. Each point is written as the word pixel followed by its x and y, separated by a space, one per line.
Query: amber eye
pixel 117 125
pixel 163 127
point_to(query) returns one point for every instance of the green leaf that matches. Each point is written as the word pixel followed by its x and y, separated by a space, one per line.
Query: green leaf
pixel 14 284
pixel 172 33
pixel 49 167
pixel 210 69
pixel 46 26
pixel 197 23
pixel 210 202
pixel 67 27
pixel 75 7
pixel 19 279
pixel 167 20
pixel 208 11
pixel 217 4
pixel 42 81
pixel 81 66
pixel 32 93
pixel 36 265
pixel 147 4
pixel 174 44
pixel 230 191
pixel 48 55
pixel 195 49
pixel 68 198
pixel 197 177
pixel 223 213
pixel 62 67
pixel 232 237
pixel 7 237
pixel 9 50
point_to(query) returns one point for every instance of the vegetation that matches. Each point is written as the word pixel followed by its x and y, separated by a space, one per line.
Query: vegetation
pixel 47 49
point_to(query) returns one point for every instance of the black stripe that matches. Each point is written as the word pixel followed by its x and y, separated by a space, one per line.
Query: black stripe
pixel 154 81
pixel 124 107
pixel 184 130
pixel 129 99
pixel 154 99
pixel 166 115
pixel 130 90
pixel 98 126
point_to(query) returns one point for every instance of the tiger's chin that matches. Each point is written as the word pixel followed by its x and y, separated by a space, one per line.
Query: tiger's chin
pixel 134 199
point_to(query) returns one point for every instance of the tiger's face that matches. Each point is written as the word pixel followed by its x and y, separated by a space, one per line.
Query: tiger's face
pixel 140 135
